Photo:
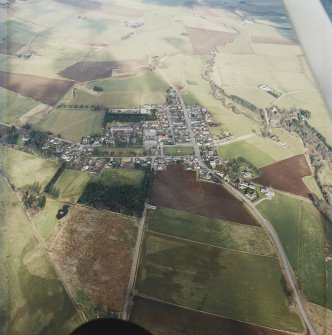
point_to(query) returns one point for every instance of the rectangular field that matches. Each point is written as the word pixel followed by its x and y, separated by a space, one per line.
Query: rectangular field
pixel 46 90
pixel 227 283
pixel 178 151
pixel 210 231
pixel 161 318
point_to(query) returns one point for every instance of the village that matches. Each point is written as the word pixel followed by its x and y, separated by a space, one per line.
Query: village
pixel 154 137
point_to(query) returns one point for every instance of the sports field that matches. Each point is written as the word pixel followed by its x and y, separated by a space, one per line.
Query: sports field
pixel 210 231
pixel 178 151
pixel 303 233
pixel 228 283
pixel 73 124
pixel 23 168
pixel 33 300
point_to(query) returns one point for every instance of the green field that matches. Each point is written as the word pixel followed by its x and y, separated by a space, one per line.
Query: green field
pixel 73 124
pixel 210 231
pixel 71 184
pixel 22 168
pixel 104 151
pixel 13 105
pixel 302 231
pixel 311 183
pixel 32 299
pixel 233 284
pixel 178 151
pixel 111 177
pixel 146 88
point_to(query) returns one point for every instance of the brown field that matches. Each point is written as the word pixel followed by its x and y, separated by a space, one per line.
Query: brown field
pixel 87 71
pixel 272 40
pixel 162 318
pixel 9 48
pixel 179 189
pixel 204 40
pixel 287 175
pixel 93 251
pixel 106 8
pixel 46 90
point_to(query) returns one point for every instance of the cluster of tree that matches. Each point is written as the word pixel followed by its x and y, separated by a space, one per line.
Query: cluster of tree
pixel 274 94
pixel 122 198
pixel 50 188
pixel 130 118
pixel 239 164
pixel 304 113
pixel 37 139
pixel 98 89
pixel 31 196
pixel 244 103
pixel 8 134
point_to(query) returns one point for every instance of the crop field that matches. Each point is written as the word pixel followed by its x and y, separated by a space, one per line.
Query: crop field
pixel 71 184
pixel 22 168
pixel 161 318
pixel 88 71
pixel 222 282
pixel 73 124
pixel 13 106
pixel 32 298
pixel 178 151
pixel 146 88
pixel 94 253
pixel 286 175
pixel 210 231
pixel 46 90
pixel 303 233
pixel 178 189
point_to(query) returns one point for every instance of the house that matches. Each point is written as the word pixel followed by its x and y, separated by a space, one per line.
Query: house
pixel 251 194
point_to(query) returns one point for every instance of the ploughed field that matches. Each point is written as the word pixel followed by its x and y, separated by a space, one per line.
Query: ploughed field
pixel 287 175
pixel 161 318
pixel 46 90
pixel 178 189
pixel 87 71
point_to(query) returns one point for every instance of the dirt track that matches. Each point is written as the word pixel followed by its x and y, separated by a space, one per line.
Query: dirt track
pixel 287 175
pixel 178 189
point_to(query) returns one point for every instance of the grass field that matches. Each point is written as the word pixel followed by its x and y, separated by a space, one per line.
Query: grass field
pixel 311 183
pixel 104 151
pixel 22 168
pixel 13 105
pixel 73 124
pixel 302 231
pixel 71 184
pixel 233 284
pixel 146 88
pixel 210 231
pixel 110 177
pixel 178 151
pixel 32 299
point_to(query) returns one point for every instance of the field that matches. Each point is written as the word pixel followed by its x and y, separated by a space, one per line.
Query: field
pixel 210 231
pixel 94 253
pixel 22 168
pixel 313 187
pixel 217 281
pixel 9 48
pixel 111 177
pixel 161 318
pixel 88 71
pixel 32 299
pixel 13 106
pixel 303 233
pixel 178 151
pixel 178 189
pixel 287 175
pixel 46 90
pixel 71 184
pixel 119 151
pixel 134 91
pixel 73 124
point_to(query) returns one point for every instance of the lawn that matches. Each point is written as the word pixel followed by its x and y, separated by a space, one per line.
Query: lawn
pixel 210 231
pixel 23 168
pixel 73 124
pixel 71 184
pixel 237 285
pixel 302 231
pixel 134 91
pixel 13 105
pixel 178 151
pixel 33 300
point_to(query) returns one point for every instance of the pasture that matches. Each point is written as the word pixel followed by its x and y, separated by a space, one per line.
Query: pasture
pixel 73 124
pixel 178 189
pixel 22 168
pixel 111 177
pixel 303 233
pixel 33 299
pixel 210 231
pixel 237 285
